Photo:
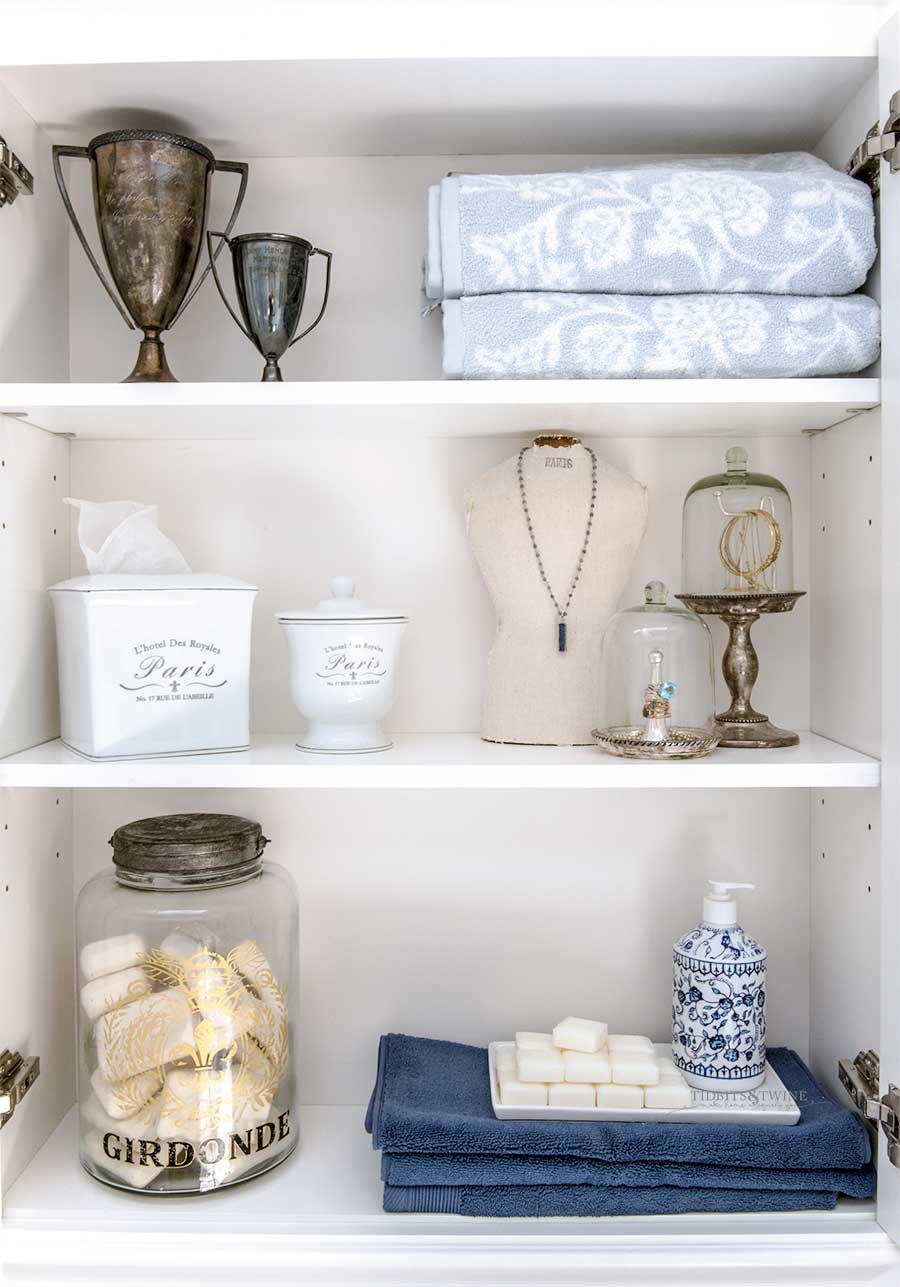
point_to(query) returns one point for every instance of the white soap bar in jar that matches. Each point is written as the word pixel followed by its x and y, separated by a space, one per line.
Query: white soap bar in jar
pixel 144 1034
pixel 124 1098
pixel 181 947
pixel 119 1158
pixel 273 1136
pixel 197 1106
pixel 113 990
pixel 142 1124
pixel 108 955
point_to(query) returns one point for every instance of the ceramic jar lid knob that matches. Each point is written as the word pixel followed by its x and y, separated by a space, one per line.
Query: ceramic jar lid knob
pixel 343 599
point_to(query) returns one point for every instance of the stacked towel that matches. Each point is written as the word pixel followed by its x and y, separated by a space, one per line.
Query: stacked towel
pixel 561 275
pixel 443 1149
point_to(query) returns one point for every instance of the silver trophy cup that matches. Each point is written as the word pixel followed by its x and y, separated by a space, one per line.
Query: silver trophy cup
pixel 270 275
pixel 151 192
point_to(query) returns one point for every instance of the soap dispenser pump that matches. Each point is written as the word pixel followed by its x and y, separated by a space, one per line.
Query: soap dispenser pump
pixel 719 998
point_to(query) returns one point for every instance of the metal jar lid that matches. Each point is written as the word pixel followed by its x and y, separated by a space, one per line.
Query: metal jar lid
pixel 186 844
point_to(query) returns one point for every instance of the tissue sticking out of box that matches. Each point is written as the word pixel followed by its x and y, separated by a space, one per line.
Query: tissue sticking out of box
pixel 124 537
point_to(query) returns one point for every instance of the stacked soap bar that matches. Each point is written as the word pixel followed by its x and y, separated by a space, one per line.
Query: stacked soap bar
pixel 582 1065
pixel 188 1050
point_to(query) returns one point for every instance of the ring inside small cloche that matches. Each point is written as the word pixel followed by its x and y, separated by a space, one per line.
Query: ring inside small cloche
pixel 658 685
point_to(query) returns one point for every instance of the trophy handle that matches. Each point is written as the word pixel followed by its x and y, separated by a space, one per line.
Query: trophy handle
pixel 82 154
pixel 327 254
pixel 233 167
pixel 223 236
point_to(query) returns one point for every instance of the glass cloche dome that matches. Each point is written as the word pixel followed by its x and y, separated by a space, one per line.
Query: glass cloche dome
pixel 658 679
pixel 736 534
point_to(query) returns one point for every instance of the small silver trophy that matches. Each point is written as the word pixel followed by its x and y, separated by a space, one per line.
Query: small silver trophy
pixel 270 276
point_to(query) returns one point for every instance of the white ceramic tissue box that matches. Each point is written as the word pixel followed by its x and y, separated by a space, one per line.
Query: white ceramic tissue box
pixel 153 665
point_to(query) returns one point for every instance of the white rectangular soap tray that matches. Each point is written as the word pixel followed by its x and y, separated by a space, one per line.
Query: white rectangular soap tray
pixel 770 1104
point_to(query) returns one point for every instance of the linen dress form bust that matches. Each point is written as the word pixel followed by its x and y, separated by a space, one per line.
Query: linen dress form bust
pixel 534 693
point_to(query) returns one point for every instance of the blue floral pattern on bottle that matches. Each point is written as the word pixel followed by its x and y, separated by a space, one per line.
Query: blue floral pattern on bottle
pixel 719 1005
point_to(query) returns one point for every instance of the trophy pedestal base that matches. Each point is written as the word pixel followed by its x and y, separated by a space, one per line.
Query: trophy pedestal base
pixel 151 365
pixel 758 737
pixel 271 372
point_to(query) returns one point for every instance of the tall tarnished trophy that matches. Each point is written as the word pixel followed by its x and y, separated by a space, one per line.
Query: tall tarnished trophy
pixel 151 195
pixel 271 270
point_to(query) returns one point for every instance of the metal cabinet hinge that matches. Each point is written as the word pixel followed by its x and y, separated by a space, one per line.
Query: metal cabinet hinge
pixel 860 1078
pixel 14 178
pixel 865 163
pixel 18 1074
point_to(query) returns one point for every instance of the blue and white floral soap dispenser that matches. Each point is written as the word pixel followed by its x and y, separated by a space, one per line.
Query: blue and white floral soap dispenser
pixel 719 999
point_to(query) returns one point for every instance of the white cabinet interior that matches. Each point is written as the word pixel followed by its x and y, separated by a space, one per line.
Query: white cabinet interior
pixel 456 912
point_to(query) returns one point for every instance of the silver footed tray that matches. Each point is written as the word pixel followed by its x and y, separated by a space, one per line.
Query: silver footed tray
pixel 678 743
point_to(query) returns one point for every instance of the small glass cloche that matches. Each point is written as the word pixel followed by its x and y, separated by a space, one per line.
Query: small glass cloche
pixel 736 533
pixel 658 679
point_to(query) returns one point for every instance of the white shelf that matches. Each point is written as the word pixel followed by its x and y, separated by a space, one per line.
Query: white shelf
pixel 399 31
pixel 433 85
pixel 446 760
pixel 441 408
pixel 323 1207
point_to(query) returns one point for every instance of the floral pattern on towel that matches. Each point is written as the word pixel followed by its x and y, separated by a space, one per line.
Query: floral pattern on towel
pixel 724 225
pixel 569 336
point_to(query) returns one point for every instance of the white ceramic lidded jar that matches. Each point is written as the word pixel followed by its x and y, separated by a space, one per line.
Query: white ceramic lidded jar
pixel 343 670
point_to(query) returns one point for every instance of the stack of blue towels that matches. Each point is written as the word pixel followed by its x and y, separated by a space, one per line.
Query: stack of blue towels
pixel 444 1151
pixel 696 267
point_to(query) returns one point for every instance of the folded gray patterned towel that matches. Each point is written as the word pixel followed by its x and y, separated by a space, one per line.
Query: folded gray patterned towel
pixel 785 224
pixel 565 336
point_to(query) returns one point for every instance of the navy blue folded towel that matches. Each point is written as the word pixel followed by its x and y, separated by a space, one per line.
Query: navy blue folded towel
pixel 589 1200
pixel 412 1170
pixel 443 1149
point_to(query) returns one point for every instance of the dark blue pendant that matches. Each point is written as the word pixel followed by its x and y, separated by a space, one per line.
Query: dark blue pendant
pixel 562 636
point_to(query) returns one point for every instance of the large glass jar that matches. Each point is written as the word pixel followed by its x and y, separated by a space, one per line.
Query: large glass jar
pixel 188 964
pixel 657 664
pixel 736 533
